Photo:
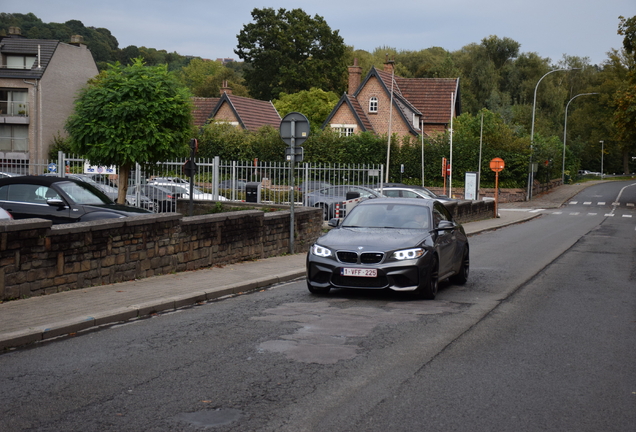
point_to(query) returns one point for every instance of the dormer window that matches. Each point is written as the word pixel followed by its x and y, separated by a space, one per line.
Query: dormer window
pixel 373 105
pixel 20 62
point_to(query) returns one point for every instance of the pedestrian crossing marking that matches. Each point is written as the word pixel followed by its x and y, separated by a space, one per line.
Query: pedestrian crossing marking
pixel 627 216
pixel 601 203
pixel 574 202
pixel 587 203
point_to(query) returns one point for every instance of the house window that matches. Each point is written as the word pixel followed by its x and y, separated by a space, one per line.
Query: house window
pixel 13 102
pixel 373 105
pixel 14 138
pixel 343 129
pixel 20 62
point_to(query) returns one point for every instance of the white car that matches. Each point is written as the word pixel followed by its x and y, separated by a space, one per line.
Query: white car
pixel 184 190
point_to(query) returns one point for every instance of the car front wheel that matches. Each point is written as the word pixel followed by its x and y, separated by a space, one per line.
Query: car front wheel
pixel 430 283
pixel 462 275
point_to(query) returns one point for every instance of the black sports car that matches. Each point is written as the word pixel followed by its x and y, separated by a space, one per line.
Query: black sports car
pixel 60 200
pixel 396 243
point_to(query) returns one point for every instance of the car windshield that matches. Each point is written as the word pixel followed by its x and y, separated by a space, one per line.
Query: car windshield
pixel 387 215
pixel 82 195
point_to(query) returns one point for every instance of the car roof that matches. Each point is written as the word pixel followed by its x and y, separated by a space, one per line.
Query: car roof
pixel 36 180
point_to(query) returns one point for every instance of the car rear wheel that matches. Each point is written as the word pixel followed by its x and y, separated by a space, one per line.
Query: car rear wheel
pixel 462 275
pixel 430 283
pixel 316 290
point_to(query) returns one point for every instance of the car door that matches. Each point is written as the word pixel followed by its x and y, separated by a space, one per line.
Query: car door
pixel 26 201
pixel 446 240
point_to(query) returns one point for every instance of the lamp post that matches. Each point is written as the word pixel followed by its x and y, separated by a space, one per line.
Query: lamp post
pixel 565 128
pixel 602 155
pixel 534 106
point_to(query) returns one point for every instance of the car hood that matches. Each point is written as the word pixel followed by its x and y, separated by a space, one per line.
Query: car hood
pixel 378 239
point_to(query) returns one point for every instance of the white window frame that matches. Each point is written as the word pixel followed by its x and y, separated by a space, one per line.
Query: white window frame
pixel 344 129
pixel 373 104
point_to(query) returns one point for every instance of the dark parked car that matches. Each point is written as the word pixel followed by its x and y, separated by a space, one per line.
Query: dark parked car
pixel 326 198
pixel 396 243
pixel 60 200
pixel 110 191
pixel 163 199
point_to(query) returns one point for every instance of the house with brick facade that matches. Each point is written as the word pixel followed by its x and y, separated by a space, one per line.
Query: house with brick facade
pixel 412 106
pixel 243 112
pixel 39 81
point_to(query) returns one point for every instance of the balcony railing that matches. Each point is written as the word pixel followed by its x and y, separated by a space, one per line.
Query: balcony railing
pixel 11 108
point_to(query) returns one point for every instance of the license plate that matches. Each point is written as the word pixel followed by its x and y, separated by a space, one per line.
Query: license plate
pixel 359 272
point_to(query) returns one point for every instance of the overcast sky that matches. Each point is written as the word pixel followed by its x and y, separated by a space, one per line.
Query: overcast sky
pixel 208 28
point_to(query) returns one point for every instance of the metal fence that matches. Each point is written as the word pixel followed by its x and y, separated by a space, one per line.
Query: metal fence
pixel 216 179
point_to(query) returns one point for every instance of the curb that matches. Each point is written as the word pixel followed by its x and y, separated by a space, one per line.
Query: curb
pixel 140 310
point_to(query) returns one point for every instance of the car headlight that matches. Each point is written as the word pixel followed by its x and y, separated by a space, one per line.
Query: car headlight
pixel 320 251
pixel 408 254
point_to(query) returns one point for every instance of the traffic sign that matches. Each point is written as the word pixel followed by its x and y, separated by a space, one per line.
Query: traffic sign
pixel 497 165
pixel 189 168
pixel 294 125
pixel 52 167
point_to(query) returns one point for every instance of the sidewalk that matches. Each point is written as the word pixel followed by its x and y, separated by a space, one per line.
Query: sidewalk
pixel 45 317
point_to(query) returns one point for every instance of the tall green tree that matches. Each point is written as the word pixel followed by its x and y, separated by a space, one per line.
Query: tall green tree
pixel 315 104
pixel 132 114
pixel 289 51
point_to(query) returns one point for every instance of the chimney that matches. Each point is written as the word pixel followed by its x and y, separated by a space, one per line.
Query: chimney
pixel 15 32
pixel 77 40
pixel 225 88
pixel 388 66
pixel 355 73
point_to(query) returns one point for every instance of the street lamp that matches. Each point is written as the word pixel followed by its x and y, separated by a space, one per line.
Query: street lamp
pixel 602 154
pixel 534 106
pixel 565 128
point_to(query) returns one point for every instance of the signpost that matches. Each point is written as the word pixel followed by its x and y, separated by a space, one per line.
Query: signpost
pixel 294 131
pixel 190 169
pixel 497 165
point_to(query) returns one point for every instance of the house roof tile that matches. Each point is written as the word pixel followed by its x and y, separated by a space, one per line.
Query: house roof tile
pixel 23 46
pixel 252 113
pixel 203 108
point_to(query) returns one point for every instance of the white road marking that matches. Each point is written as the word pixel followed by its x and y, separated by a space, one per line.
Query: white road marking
pixel 574 202
pixel 587 203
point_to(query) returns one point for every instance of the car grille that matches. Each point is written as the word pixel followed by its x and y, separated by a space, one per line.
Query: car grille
pixel 359 282
pixel 365 257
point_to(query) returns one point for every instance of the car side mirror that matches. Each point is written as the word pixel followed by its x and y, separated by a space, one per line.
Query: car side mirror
pixel 446 225
pixel 55 202
pixel 334 222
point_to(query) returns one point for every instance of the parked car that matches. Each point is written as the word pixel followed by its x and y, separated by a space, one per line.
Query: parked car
pixel 395 190
pixel 61 200
pixel 392 243
pixel 164 200
pixel 110 191
pixel 326 198
pixel 313 185
pixel 5 215
pixel 233 184
pixel 6 174
pixel 168 180
pixel 184 191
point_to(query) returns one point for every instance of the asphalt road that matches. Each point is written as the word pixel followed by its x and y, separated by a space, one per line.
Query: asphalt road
pixel 541 338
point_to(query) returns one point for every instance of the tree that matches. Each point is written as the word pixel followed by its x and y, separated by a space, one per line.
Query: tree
pixel 315 104
pixel 625 99
pixel 289 51
pixel 132 114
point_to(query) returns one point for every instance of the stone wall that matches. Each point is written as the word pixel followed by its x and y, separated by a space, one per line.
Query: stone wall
pixel 37 258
